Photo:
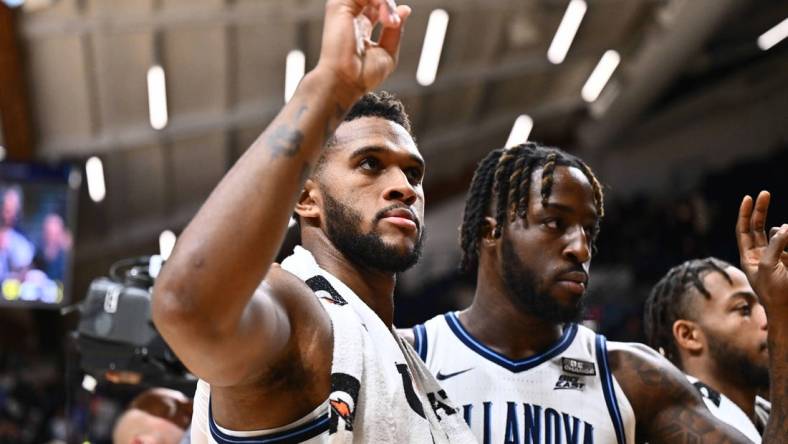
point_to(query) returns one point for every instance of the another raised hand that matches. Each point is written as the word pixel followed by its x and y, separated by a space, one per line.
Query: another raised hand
pixel 764 261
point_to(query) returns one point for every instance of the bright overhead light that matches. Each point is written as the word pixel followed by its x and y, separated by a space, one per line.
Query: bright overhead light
pixel 599 77
pixel 157 97
pixel 566 31
pixel 166 243
pixel 95 172
pixel 294 71
pixel 433 45
pixel 2 153
pixel 774 35
pixel 89 383
pixel 520 131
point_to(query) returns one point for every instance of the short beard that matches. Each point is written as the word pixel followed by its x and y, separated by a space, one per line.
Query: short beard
pixel 736 366
pixel 522 284
pixel 365 249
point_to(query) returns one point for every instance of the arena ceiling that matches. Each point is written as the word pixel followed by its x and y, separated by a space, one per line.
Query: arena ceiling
pixel 86 62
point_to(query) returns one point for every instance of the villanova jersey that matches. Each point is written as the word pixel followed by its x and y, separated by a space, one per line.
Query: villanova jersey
pixel 566 394
pixel 380 391
pixel 728 412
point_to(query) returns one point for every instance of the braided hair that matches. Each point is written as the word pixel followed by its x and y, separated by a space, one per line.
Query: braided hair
pixel 502 183
pixel 670 300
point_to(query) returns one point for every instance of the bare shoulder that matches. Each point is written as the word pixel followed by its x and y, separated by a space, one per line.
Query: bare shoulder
pixel 293 294
pixel 310 325
pixel 647 377
pixel 407 335
pixel 297 379
pixel 667 407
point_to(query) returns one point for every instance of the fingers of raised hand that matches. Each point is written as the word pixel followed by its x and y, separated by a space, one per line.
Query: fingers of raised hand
pixel 758 219
pixel 743 233
pixel 390 37
pixel 388 14
pixel 775 251
pixel 784 254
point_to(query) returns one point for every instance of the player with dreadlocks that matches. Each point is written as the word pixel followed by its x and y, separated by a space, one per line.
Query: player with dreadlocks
pixel 704 316
pixel 516 359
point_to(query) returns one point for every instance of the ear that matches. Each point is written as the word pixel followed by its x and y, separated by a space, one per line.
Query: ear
pixel 688 336
pixel 307 205
pixel 488 238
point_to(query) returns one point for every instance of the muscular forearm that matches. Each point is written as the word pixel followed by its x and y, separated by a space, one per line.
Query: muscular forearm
pixel 777 428
pixel 229 246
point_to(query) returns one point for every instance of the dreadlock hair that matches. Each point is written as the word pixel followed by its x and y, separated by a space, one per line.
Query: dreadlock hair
pixel 670 300
pixel 502 184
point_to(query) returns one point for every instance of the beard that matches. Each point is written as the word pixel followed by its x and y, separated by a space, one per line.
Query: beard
pixel 366 249
pixel 522 284
pixel 736 365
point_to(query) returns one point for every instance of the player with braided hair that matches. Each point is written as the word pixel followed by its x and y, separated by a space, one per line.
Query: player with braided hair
pixel 516 359
pixel 704 316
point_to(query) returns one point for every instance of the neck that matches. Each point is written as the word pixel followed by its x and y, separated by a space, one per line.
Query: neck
pixel 741 395
pixel 374 287
pixel 493 318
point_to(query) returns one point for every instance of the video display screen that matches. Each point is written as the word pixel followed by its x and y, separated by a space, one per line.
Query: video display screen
pixel 37 212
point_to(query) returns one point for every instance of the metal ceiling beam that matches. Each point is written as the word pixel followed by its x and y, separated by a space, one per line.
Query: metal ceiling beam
pixel 15 110
pixel 193 124
pixel 656 66
pixel 260 14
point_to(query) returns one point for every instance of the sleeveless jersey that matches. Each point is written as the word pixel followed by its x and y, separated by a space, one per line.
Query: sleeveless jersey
pixel 727 411
pixel 380 390
pixel 566 394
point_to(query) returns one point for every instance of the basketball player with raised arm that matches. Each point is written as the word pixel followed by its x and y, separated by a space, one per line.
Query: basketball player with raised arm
pixel 517 361
pixel 704 316
pixel 305 351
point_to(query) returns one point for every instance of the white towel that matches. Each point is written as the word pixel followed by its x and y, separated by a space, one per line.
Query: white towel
pixel 381 391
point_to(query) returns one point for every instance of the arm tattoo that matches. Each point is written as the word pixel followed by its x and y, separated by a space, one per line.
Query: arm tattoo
pixel 668 408
pixel 286 139
pixel 777 428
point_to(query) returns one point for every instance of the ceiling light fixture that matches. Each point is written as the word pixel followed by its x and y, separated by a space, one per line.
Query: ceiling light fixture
pixel 773 36
pixel 157 97
pixel 566 31
pixel 294 71
pixel 95 172
pixel 600 76
pixel 520 131
pixel 433 46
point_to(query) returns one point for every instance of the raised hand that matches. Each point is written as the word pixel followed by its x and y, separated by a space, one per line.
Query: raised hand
pixel 361 69
pixel 763 260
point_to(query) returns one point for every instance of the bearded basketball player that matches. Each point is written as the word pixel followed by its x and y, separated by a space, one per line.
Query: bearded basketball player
pixel 305 351
pixel 517 361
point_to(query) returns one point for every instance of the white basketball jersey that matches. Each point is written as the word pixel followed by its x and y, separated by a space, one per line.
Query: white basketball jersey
pixel 727 411
pixel 566 394
pixel 380 391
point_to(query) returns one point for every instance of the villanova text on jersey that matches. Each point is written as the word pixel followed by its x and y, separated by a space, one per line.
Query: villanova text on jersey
pixel 565 394
pixel 524 423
